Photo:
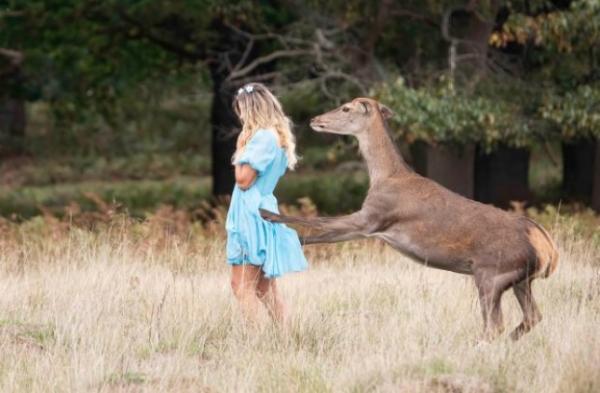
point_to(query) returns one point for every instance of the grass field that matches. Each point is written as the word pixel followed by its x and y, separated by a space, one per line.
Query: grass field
pixel 146 306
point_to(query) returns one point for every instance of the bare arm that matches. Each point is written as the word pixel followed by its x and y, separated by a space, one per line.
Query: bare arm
pixel 244 176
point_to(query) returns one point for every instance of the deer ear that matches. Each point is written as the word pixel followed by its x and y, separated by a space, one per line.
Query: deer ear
pixel 365 106
pixel 385 111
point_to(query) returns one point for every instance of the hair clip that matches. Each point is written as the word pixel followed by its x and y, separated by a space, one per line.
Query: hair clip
pixel 247 89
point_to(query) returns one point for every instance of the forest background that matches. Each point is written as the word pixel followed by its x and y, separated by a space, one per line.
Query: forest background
pixel 128 103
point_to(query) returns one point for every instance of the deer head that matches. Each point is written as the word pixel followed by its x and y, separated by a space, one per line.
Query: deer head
pixel 352 118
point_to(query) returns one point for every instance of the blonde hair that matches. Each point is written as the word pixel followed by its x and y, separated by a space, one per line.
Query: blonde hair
pixel 257 108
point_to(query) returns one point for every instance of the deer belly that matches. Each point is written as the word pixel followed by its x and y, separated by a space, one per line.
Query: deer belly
pixel 429 256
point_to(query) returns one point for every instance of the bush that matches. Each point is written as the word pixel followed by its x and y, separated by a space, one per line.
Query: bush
pixel 440 114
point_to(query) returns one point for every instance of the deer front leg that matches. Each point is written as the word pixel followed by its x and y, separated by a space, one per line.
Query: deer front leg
pixel 335 229
pixel 311 222
pixel 329 237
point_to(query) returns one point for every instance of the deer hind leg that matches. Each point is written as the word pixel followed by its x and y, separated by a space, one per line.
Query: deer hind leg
pixel 491 310
pixel 491 286
pixel 531 313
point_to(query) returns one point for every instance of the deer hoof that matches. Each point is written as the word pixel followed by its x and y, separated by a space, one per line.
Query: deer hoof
pixel 269 216
pixel 519 332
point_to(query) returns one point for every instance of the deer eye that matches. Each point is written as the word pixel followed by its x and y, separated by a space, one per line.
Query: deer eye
pixel 345 109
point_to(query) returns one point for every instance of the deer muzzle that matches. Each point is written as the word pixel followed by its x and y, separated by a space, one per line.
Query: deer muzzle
pixel 317 124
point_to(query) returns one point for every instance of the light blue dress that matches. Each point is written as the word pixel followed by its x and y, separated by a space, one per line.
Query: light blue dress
pixel 250 238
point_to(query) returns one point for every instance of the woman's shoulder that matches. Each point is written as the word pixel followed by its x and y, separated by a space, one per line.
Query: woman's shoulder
pixel 266 136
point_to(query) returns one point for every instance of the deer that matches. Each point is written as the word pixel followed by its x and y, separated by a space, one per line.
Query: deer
pixel 433 225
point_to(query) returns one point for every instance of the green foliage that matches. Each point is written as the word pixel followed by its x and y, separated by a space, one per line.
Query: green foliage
pixel 576 113
pixel 564 55
pixel 154 117
pixel 332 193
pixel 85 57
pixel 441 114
pixel 130 81
pixel 576 28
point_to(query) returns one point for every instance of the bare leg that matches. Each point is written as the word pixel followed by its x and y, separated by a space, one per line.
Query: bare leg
pixel 269 294
pixel 531 314
pixel 244 280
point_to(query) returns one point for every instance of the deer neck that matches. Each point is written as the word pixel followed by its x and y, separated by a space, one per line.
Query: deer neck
pixel 379 151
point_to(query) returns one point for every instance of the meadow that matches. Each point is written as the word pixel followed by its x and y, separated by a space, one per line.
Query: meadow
pixel 129 305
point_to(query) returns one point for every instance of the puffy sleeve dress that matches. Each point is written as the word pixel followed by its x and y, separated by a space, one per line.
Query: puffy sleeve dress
pixel 251 239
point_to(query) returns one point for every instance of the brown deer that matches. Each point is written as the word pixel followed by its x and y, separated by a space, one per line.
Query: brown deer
pixel 433 225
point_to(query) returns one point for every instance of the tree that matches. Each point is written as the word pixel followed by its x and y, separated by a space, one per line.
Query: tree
pixel 516 74
pixel 481 72
pixel 94 51
pixel 12 107
pixel 565 41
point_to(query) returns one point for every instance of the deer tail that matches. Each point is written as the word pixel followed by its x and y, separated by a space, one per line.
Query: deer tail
pixel 545 249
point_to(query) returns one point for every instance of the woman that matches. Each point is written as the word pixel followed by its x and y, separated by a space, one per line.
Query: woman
pixel 260 251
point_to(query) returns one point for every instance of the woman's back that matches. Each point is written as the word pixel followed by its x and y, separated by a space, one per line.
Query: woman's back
pixel 264 154
pixel 268 159
pixel 251 239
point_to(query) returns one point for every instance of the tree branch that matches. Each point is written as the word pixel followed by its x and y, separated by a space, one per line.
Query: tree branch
pixel 15 60
pixel 259 78
pixel 267 59
pixel 245 55
pixel 16 57
pixel 9 14
pixel 283 40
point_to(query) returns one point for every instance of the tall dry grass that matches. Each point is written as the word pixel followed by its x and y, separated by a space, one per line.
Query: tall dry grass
pixel 126 306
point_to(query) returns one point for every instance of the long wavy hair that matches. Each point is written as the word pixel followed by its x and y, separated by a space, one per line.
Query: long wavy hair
pixel 258 108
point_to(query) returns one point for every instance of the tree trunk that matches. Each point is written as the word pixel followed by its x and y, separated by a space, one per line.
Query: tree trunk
pixel 468 30
pixel 229 48
pixel 502 176
pixel 224 123
pixel 579 157
pixel 12 110
pixel 450 166
pixel 12 126
pixel 581 171
pixel 596 180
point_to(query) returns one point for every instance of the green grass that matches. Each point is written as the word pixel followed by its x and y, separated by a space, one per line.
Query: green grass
pixel 135 196
pixel 106 310
pixel 332 192
pixel 140 166
pixel 39 336
pixel 140 183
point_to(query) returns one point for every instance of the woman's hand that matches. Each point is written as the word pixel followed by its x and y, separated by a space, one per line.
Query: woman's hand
pixel 244 176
